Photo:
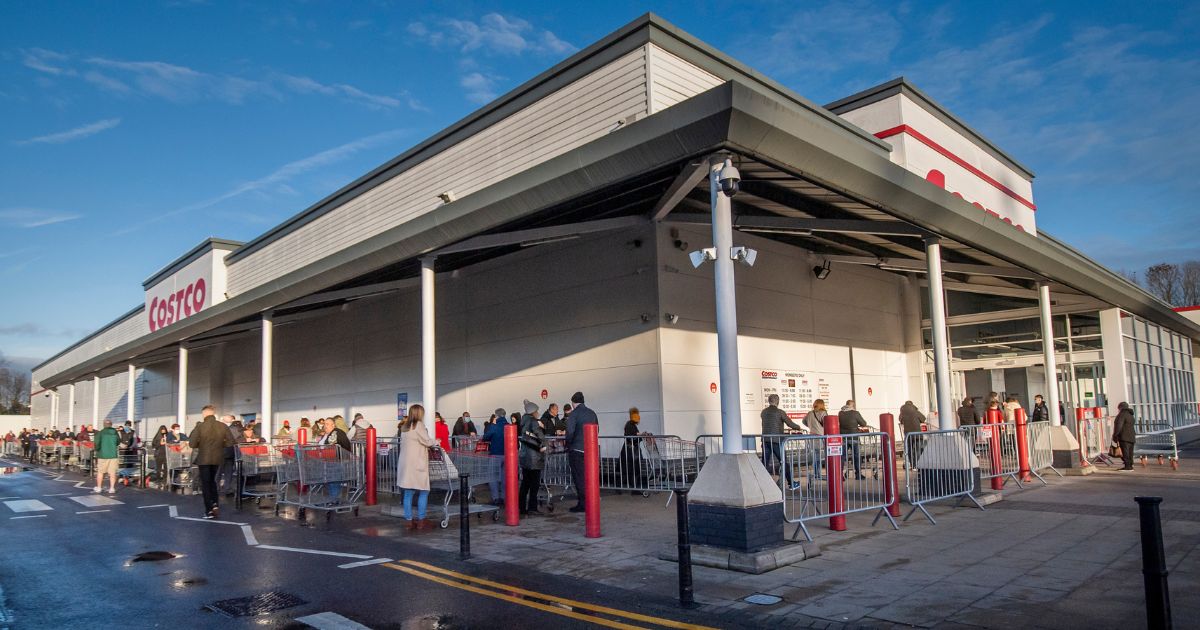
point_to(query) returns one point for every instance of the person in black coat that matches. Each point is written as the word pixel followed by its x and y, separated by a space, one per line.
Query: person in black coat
pixel 851 422
pixel 550 419
pixel 464 425
pixel 631 454
pixel 1040 411
pixel 580 415
pixel 1125 434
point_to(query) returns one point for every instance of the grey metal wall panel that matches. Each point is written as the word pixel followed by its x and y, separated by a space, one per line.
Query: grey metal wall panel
pixel 675 80
pixel 568 118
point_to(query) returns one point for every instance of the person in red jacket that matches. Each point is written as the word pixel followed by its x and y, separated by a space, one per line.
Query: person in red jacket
pixel 441 431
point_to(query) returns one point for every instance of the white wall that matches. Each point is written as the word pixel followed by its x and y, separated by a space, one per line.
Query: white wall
pixel 787 320
pixel 14 424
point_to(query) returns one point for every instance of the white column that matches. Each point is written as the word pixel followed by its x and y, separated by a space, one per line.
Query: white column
pixel 947 418
pixel 71 406
pixel 724 284
pixel 428 342
pixel 181 395
pixel 131 401
pixel 54 409
pixel 268 374
pixel 1048 352
pixel 96 419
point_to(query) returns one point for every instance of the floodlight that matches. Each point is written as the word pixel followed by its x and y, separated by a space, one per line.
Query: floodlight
pixel 702 256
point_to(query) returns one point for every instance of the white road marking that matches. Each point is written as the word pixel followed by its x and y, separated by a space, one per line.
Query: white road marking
pixel 147 507
pixel 96 500
pixel 61 494
pixel 13 518
pixel 331 621
pixel 173 511
pixel 93 511
pixel 364 563
pixel 206 520
pixel 27 505
pixel 316 551
pixel 7 498
pixel 249 534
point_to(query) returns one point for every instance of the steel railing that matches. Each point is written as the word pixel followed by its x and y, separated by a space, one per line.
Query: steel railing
pixel 1041 451
pixel 807 493
pixel 945 467
pixel 649 463
pixel 996 447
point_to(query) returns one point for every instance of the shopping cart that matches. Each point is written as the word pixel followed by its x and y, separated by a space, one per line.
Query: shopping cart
pixel 179 468
pixel 444 484
pixel 331 479
pixel 131 466
pixel 256 473
pixel 556 473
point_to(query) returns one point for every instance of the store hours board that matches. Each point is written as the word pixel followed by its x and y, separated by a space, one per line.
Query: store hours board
pixel 796 390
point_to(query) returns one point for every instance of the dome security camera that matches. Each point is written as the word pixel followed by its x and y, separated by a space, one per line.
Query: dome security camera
pixel 729 178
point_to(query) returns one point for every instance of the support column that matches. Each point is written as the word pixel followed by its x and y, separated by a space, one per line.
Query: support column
pixel 130 401
pixel 733 506
pixel 1063 445
pixel 267 418
pixel 96 419
pixel 947 418
pixel 53 409
pixel 428 342
pixel 181 395
pixel 71 406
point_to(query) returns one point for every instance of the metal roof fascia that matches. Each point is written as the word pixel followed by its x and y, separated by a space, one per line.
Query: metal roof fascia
pixel 697 126
pixel 134 311
pixel 767 128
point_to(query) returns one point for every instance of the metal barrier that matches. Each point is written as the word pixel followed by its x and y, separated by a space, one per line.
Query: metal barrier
pixel 649 463
pixel 946 467
pixel 1159 443
pixel 751 442
pixel 1095 436
pixel 996 447
pixel 807 486
pixel 387 458
pixel 1041 453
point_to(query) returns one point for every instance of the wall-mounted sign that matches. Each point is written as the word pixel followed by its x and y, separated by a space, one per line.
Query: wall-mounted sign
pixel 712 388
pixel 401 406
pixel 796 390
pixel 545 394
pixel 197 283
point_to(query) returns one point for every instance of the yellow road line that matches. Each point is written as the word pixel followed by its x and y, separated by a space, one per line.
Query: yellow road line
pixel 658 621
pixel 514 599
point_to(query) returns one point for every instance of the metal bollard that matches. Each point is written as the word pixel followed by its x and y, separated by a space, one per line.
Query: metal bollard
pixel 1097 412
pixel 686 598
pixel 833 472
pixel 302 436
pixel 369 464
pixel 887 424
pixel 512 515
pixel 994 418
pixel 591 480
pixel 1154 565
pixel 464 517
pixel 1023 445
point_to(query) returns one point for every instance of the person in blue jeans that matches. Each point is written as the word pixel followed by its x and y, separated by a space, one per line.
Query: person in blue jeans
pixel 413 474
pixel 494 436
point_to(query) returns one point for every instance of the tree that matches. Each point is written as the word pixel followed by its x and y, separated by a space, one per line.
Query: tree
pixel 1164 280
pixel 1190 283
pixel 14 389
pixel 1129 275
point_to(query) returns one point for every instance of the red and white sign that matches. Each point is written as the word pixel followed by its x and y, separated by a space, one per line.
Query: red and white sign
pixel 712 388
pixel 833 445
pixel 197 286
pixel 545 394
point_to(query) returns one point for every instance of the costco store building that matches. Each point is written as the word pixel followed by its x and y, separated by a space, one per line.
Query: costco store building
pixel 541 246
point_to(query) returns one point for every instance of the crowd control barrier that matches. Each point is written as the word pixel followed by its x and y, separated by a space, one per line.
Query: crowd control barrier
pixel 1041 455
pixel 649 463
pixel 946 467
pixel 387 457
pixel 819 480
pixel 996 447
pixel 1095 436
pixel 1161 444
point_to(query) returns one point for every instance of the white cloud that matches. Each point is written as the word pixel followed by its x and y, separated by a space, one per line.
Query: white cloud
pixel 276 182
pixel 481 88
pixel 307 85
pixel 492 34
pixel 77 133
pixel 823 39
pixel 182 84
pixel 45 61
pixel 34 217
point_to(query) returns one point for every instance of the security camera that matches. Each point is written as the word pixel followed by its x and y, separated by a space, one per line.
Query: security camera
pixel 728 178
pixel 672 318
pixel 448 196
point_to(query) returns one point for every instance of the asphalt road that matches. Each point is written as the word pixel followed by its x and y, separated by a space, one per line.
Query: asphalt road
pixel 71 561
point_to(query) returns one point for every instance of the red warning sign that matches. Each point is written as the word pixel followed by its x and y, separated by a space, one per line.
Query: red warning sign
pixel 712 387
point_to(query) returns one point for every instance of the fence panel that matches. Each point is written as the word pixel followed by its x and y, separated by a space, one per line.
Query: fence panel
pixel 649 463
pixel 1041 453
pixel 943 465
pixel 996 447
pixel 806 486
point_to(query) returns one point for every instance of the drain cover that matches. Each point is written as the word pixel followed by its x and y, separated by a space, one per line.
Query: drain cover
pixel 255 604
pixel 763 599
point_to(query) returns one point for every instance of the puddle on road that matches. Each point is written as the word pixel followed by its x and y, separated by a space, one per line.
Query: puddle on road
pixel 13 470
pixel 152 556
pixel 432 622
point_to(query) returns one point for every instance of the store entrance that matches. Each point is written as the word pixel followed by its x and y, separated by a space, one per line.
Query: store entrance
pixel 1082 387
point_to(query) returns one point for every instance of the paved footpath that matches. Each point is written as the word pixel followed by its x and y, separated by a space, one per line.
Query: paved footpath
pixel 1062 556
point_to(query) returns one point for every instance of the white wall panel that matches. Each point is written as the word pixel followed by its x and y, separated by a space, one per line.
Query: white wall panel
pixel 674 80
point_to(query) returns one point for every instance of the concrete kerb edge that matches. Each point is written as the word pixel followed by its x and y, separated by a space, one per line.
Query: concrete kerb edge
pixel 755 563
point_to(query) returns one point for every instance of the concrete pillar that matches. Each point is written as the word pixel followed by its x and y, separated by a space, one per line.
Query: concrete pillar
pixel 1048 352
pixel 724 284
pixel 268 375
pixel 947 418
pixel 96 419
pixel 71 406
pixel 428 342
pixel 181 395
pixel 53 409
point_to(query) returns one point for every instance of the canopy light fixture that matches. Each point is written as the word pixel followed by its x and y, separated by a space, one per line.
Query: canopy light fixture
pixel 822 271
pixel 699 257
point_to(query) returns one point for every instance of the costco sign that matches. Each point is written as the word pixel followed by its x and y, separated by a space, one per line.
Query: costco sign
pixel 196 286
pixel 164 311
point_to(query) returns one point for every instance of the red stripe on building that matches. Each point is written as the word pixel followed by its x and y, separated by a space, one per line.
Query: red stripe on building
pixel 887 133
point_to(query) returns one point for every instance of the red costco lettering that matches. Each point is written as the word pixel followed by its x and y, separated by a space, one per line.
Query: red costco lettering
pixel 164 311
pixel 938 178
pixel 153 305
pixel 199 296
pixel 187 300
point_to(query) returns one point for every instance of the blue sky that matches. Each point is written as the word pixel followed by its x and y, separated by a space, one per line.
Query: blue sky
pixel 131 131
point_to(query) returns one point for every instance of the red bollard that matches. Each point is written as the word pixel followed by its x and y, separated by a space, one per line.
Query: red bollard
pixel 369 463
pixel 302 436
pixel 994 418
pixel 591 479
pixel 1097 412
pixel 1023 444
pixel 512 516
pixel 887 424
pixel 1080 414
pixel 833 472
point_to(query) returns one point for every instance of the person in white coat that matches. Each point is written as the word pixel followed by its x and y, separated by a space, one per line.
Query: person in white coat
pixel 413 471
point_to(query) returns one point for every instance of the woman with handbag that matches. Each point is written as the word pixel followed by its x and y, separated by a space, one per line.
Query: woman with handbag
pixel 533 459
pixel 413 474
